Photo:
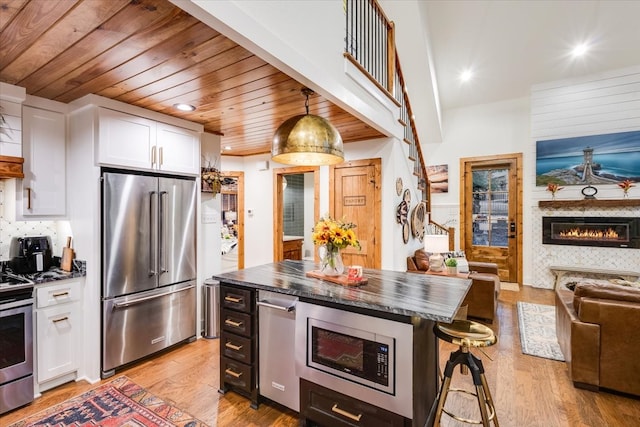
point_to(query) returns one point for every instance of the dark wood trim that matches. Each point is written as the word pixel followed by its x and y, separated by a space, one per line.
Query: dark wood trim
pixel 588 203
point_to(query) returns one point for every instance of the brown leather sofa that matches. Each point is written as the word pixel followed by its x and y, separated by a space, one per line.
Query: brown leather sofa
pixel 598 329
pixel 482 298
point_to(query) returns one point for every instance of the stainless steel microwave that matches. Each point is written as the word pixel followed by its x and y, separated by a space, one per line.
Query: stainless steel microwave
pixel 360 356
pixel 356 355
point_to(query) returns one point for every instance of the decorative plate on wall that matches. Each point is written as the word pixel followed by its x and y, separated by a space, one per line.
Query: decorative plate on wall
pixel 399 186
pixel 405 232
pixel 407 196
pixel 418 217
pixel 402 212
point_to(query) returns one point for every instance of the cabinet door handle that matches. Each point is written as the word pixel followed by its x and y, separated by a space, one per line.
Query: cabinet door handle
pixel 233 373
pixel 153 155
pixel 62 319
pixel 233 299
pixel 161 150
pixel 60 294
pixel 344 413
pixel 232 323
pixel 233 346
pixel 28 197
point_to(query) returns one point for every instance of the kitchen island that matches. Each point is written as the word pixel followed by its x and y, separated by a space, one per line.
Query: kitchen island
pixel 395 311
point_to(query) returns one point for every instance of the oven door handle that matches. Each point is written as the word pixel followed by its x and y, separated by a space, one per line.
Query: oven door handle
pixel 13 303
pixel 287 308
pixel 143 299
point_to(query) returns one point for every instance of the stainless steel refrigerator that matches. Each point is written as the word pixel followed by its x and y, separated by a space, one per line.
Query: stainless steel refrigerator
pixel 148 265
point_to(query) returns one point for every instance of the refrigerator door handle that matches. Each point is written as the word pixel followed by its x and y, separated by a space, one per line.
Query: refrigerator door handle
pixel 143 299
pixel 153 261
pixel 163 231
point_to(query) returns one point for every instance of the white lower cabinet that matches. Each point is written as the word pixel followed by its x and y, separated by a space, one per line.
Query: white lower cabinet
pixel 58 332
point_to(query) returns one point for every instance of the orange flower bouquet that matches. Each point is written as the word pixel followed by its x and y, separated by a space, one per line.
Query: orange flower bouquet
pixel 626 185
pixel 553 188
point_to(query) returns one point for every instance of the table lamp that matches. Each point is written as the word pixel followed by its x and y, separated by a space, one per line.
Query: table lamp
pixel 436 244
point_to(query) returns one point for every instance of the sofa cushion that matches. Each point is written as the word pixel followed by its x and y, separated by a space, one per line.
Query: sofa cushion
pixel 422 260
pixel 604 291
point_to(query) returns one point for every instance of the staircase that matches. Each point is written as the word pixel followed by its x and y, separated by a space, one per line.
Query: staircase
pixel 370 46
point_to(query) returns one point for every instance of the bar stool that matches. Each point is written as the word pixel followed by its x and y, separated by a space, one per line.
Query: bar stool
pixel 466 334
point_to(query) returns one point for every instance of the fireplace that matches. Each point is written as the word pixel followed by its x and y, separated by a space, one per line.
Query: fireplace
pixel 611 232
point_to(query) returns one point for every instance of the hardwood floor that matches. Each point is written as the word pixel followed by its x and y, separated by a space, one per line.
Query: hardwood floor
pixel 528 391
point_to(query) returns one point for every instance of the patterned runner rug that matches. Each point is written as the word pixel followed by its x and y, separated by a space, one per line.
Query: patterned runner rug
pixel 120 402
pixel 538 330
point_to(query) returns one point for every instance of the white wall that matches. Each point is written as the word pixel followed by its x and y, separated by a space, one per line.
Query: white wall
pixel 593 105
pixel 259 199
pixel 480 130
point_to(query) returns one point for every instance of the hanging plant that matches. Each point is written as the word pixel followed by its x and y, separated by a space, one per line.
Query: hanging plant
pixel 211 179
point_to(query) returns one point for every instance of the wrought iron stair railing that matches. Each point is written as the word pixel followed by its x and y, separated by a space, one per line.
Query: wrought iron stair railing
pixel 370 46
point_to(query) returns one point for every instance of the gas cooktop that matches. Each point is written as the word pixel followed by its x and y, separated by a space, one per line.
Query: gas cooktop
pixel 10 281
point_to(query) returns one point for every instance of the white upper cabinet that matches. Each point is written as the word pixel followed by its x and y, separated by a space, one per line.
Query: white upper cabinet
pixel 132 141
pixel 43 191
pixel 178 149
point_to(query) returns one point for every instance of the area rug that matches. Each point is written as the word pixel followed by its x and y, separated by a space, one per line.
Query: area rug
pixel 120 402
pixel 537 324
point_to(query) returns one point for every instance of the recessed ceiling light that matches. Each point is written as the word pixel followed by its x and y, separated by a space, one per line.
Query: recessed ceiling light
pixel 466 75
pixel 580 50
pixel 227 147
pixel 184 107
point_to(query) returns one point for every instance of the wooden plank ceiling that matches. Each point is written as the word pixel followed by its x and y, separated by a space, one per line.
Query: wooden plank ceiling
pixel 152 54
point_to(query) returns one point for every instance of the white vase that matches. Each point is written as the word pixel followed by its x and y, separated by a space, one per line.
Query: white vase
pixel 452 270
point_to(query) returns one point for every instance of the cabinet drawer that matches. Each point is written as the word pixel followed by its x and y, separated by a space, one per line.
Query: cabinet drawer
pixel 237 299
pixel 236 347
pixel 236 322
pixel 62 292
pixel 238 374
pixel 330 408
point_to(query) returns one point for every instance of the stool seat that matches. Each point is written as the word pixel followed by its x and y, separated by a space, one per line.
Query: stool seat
pixel 465 333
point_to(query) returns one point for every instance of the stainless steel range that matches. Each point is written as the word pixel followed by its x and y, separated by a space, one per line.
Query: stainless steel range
pixel 16 341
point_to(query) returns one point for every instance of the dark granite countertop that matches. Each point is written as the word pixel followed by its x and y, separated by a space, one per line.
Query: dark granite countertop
pixel 79 269
pixel 408 294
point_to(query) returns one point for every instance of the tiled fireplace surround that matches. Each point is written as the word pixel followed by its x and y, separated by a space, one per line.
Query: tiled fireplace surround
pixel 545 256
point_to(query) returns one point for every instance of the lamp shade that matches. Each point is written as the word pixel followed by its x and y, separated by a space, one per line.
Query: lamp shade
pixel 307 140
pixel 436 243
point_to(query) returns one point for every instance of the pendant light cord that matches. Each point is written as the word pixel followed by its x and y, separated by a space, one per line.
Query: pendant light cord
pixel 306 92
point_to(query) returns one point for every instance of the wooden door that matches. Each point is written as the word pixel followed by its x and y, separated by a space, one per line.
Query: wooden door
pixel 239 202
pixel 491 212
pixel 355 197
pixel 278 204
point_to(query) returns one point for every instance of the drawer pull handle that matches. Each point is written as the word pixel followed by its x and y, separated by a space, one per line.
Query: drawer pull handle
pixel 344 413
pixel 60 294
pixel 62 319
pixel 233 373
pixel 233 299
pixel 233 346
pixel 233 323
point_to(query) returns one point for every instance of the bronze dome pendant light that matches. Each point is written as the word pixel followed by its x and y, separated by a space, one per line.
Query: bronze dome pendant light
pixel 307 140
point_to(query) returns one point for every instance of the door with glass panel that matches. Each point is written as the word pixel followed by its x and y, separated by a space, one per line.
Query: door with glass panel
pixel 491 213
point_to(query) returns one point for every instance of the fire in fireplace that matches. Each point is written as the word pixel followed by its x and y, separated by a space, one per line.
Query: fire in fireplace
pixel 616 232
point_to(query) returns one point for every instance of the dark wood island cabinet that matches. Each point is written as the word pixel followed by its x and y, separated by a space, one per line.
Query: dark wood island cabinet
pixel 396 311
pixel 238 342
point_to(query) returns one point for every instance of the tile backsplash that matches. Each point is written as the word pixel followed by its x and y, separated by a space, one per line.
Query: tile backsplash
pixel 9 229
